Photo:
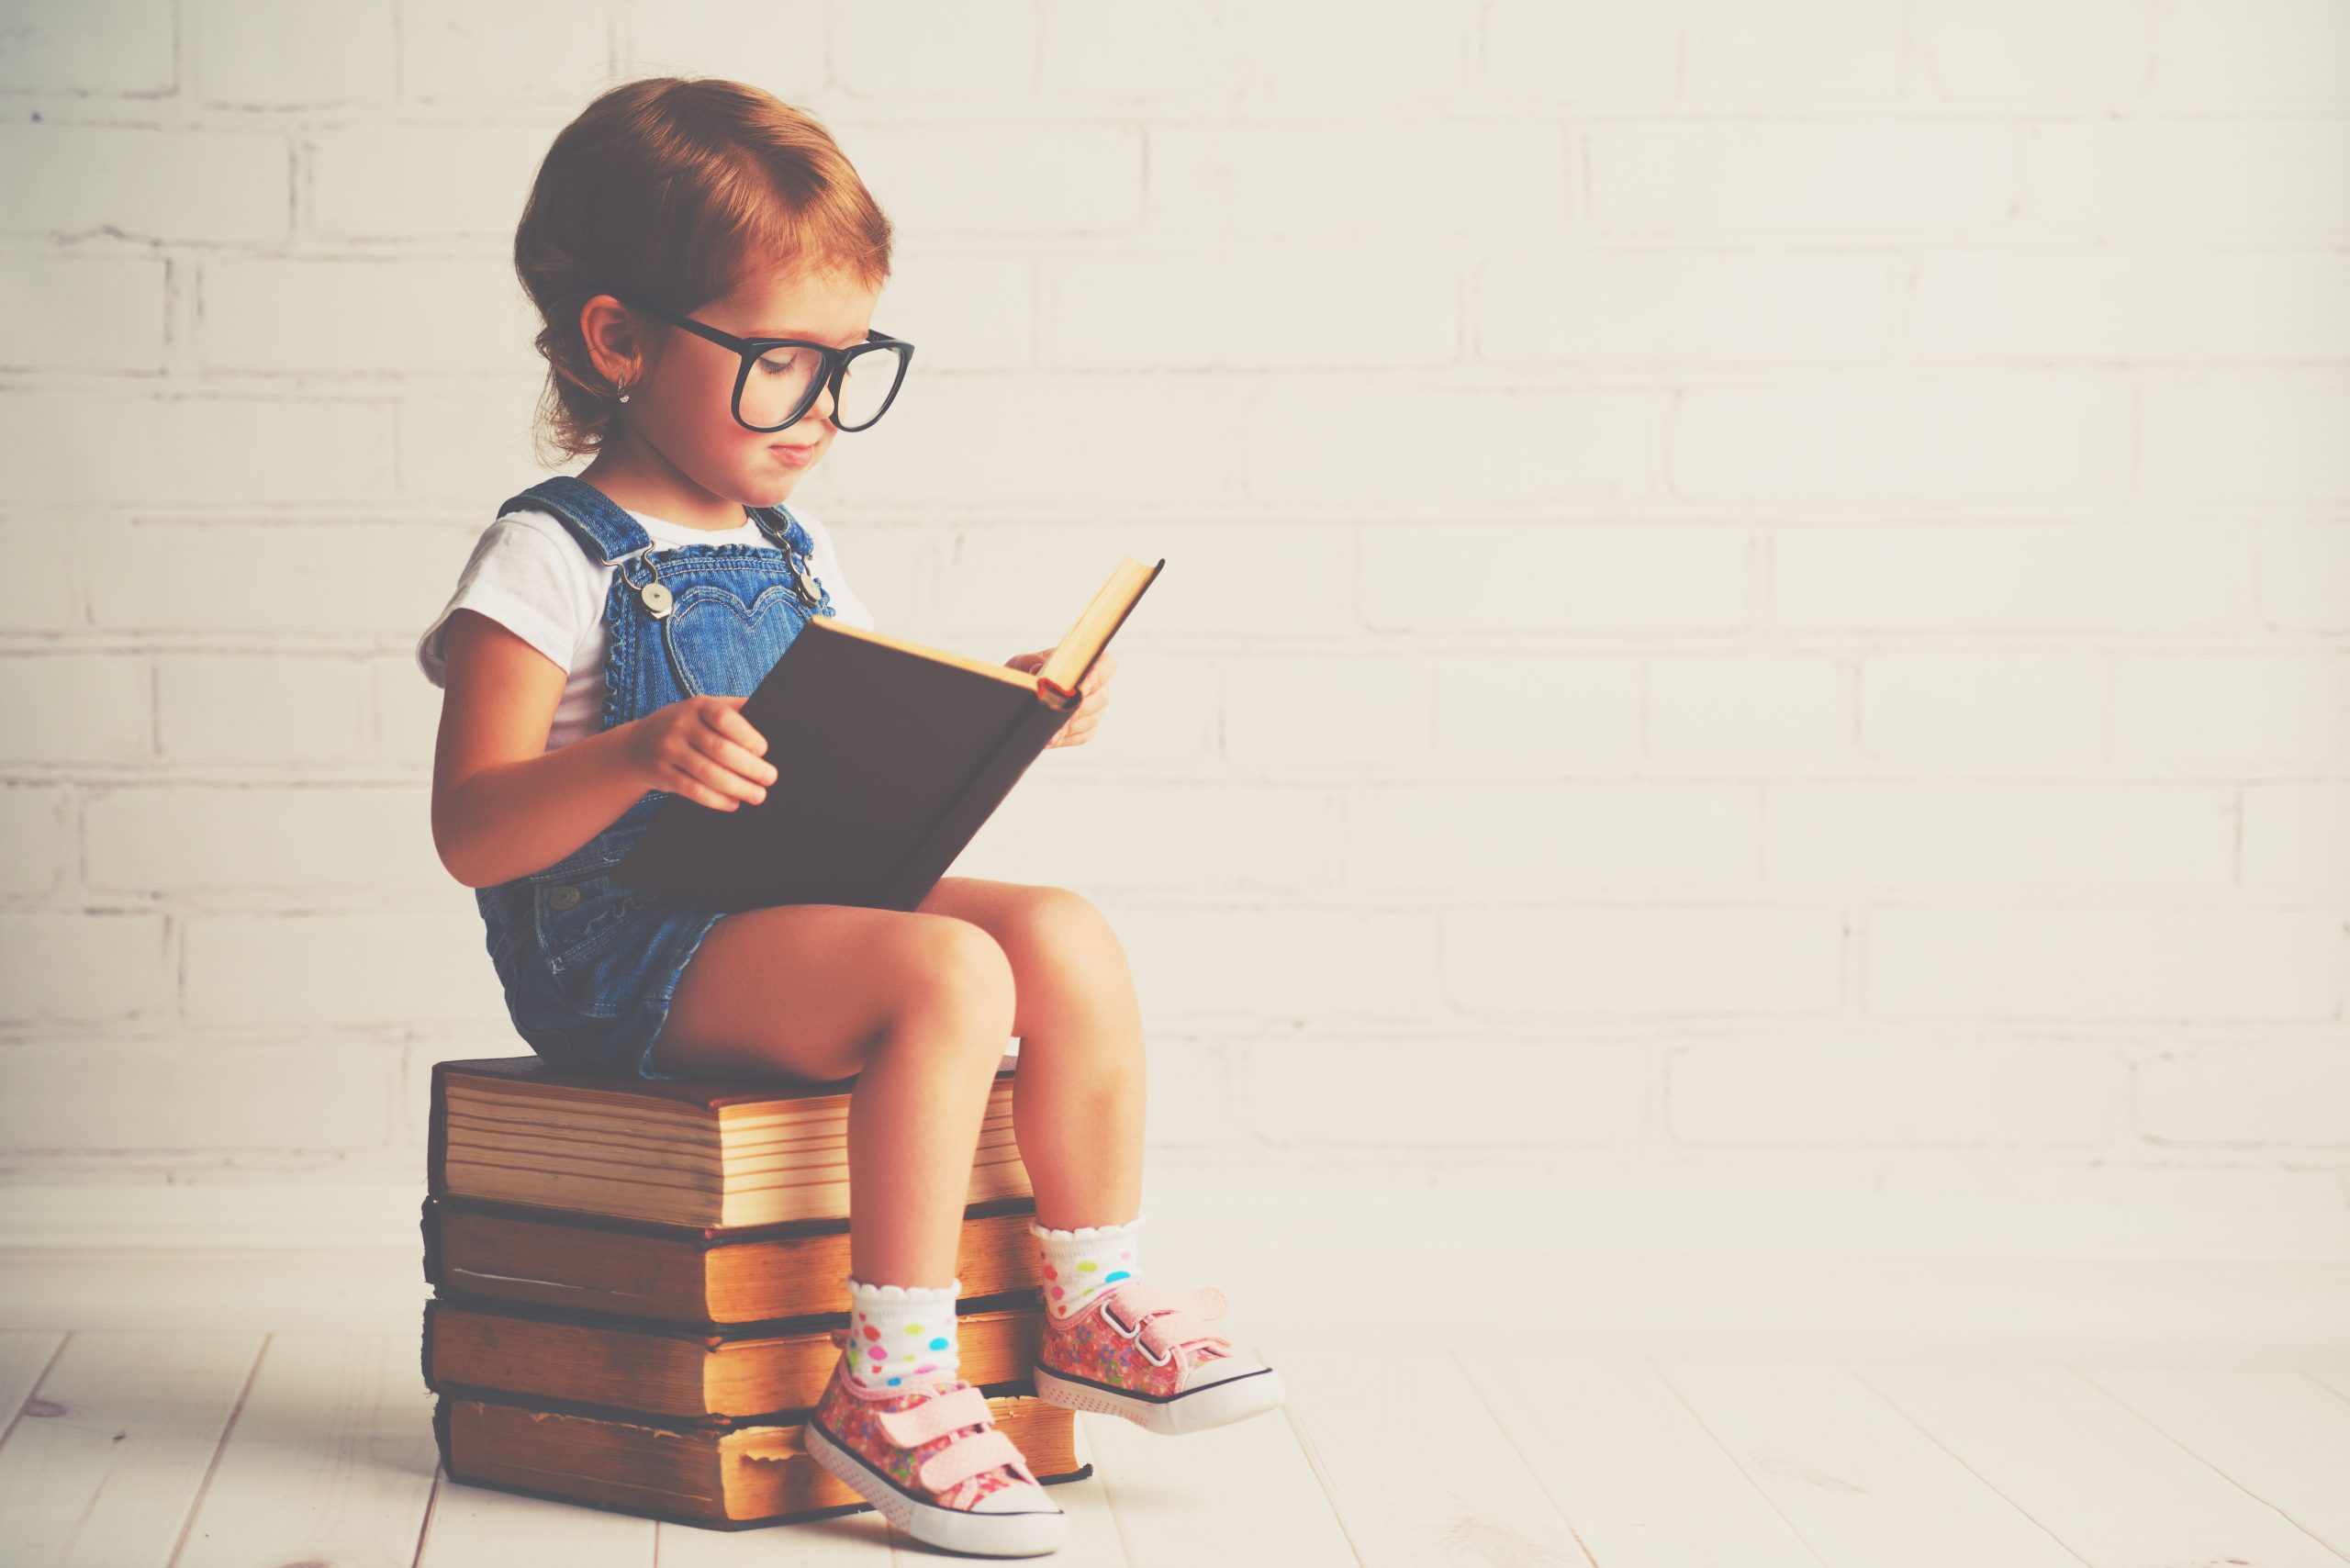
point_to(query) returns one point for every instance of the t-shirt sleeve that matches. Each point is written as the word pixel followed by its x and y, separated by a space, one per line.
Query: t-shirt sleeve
pixel 826 561
pixel 528 575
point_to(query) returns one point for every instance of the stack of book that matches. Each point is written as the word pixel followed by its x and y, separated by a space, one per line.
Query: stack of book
pixel 638 1286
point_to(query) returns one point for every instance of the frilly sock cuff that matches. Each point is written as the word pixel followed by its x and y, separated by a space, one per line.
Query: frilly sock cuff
pixel 865 1292
pixel 1084 1232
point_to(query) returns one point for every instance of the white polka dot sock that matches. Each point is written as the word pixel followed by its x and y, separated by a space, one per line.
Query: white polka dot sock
pixel 1080 1264
pixel 900 1335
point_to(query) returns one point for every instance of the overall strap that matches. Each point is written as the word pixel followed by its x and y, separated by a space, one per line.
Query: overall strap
pixel 603 528
pixel 777 523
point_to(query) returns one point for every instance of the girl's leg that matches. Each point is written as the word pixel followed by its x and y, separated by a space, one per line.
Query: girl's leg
pixel 918 1005
pixel 1077 1105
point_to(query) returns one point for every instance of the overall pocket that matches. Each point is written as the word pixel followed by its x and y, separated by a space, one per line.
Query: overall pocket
pixel 579 909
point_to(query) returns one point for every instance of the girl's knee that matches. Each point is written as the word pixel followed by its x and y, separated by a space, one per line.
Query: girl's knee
pixel 957 972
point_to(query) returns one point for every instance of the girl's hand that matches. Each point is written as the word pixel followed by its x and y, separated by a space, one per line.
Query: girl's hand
pixel 1081 723
pixel 703 749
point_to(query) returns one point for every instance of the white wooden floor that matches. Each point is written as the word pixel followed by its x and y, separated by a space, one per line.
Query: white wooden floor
pixel 192 1447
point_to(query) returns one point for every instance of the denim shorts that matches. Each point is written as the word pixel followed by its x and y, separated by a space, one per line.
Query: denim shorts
pixel 589 965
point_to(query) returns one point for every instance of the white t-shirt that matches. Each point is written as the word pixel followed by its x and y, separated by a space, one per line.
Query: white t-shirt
pixel 529 574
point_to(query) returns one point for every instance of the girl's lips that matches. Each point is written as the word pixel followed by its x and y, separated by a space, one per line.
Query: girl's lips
pixel 798 456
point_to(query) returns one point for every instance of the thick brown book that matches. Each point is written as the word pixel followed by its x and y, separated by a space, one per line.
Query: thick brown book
pixel 889 756
pixel 712 1153
pixel 720 1476
pixel 736 1374
pixel 687 1274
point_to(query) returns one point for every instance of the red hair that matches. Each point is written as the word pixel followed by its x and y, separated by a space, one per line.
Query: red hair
pixel 671 187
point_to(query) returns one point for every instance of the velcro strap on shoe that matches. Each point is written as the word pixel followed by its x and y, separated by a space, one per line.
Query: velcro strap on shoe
pixel 1168 1318
pixel 967 1457
pixel 934 1418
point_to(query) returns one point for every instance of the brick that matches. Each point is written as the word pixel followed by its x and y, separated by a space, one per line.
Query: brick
pixel 1644 961
pixel 2240 178
pixel 405 183
pixel 1204 56
pixel 77 708
pixel 1309 310
pixel 1812 178
pixel 1983 707
pixel 2301 568
pixel 59 444
pixel 2133 305
pixel 1641 836
pixel 1377 176
pixel 1002 179
pixel 1988 574
pixel 2297 839
pixel 344 580
pixel 197 838
pixel 347 316
pixel 181 184
pixel 119 48
pixel 77 966
pixel 2247 1094
pixel 326 968
pixel 2258 435
pixel 1118 441
pixel 297 53
pixel 782 45
pixel 2104 962
pixel 1611 578
pixel 1745 707
pixel 37 824
pixel 97 313
pixel 519 51
pixel 2056 52
pixel 297 710
pixel 1582 52
pixel 1299 962
pixel 1520 708
pixel 196 1096
pixel 1802 51
pixel 1307 713
pixel 2000 838
pixel 1556 1094
pixel 1893 1094
pixel 2215 709
pixel 2265 53
pixel 44 588
pixel 1646 307
pixel 1956 435
pixel 1328 443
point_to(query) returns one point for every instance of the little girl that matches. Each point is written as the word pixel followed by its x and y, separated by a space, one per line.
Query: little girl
pixel 706 262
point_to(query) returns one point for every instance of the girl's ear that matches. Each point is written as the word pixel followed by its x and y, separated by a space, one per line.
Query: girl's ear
pixel 612 339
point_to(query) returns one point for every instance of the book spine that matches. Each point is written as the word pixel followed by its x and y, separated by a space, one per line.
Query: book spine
pixel 918 872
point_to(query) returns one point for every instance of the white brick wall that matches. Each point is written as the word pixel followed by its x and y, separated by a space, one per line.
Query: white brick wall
pixel 1756 593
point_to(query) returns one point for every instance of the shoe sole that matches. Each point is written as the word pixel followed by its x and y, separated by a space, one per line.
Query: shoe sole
pixel 1027 1534
pixel 1217 1405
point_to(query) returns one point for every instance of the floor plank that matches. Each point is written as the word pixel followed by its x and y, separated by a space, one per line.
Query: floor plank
pixel 2116 1491
pixel 1634 1473
pixel 24 1354
pixel 1242 1494
pixel 481 1527
pixel 330 1459
pixel 1861 1484
pixel 1418 1469
pixel 2278 1435
pixel 110 1453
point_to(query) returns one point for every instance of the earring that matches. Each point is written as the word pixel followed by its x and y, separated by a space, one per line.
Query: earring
pixel 621 388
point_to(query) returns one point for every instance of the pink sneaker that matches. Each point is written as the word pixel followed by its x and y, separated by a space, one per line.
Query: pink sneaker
pixel 931 1460
pixel 1143 1353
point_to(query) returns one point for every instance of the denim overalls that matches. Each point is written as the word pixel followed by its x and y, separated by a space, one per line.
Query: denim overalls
pixel 589 965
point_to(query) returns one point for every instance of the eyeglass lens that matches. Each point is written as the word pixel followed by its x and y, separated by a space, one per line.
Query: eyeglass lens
pixel 780 379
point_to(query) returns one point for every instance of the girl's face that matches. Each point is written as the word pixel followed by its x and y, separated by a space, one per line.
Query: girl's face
pixel 679 416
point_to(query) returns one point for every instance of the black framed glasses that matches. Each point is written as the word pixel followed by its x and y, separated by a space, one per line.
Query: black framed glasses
pixel 780 376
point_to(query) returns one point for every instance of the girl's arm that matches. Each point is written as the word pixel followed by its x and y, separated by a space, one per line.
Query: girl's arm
pixel 504 806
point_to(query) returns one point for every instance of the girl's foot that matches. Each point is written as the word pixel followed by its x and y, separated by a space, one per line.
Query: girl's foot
pixel 1143 1353
pixel 931 1460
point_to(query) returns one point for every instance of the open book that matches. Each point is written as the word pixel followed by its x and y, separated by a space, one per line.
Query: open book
pixel 888 757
